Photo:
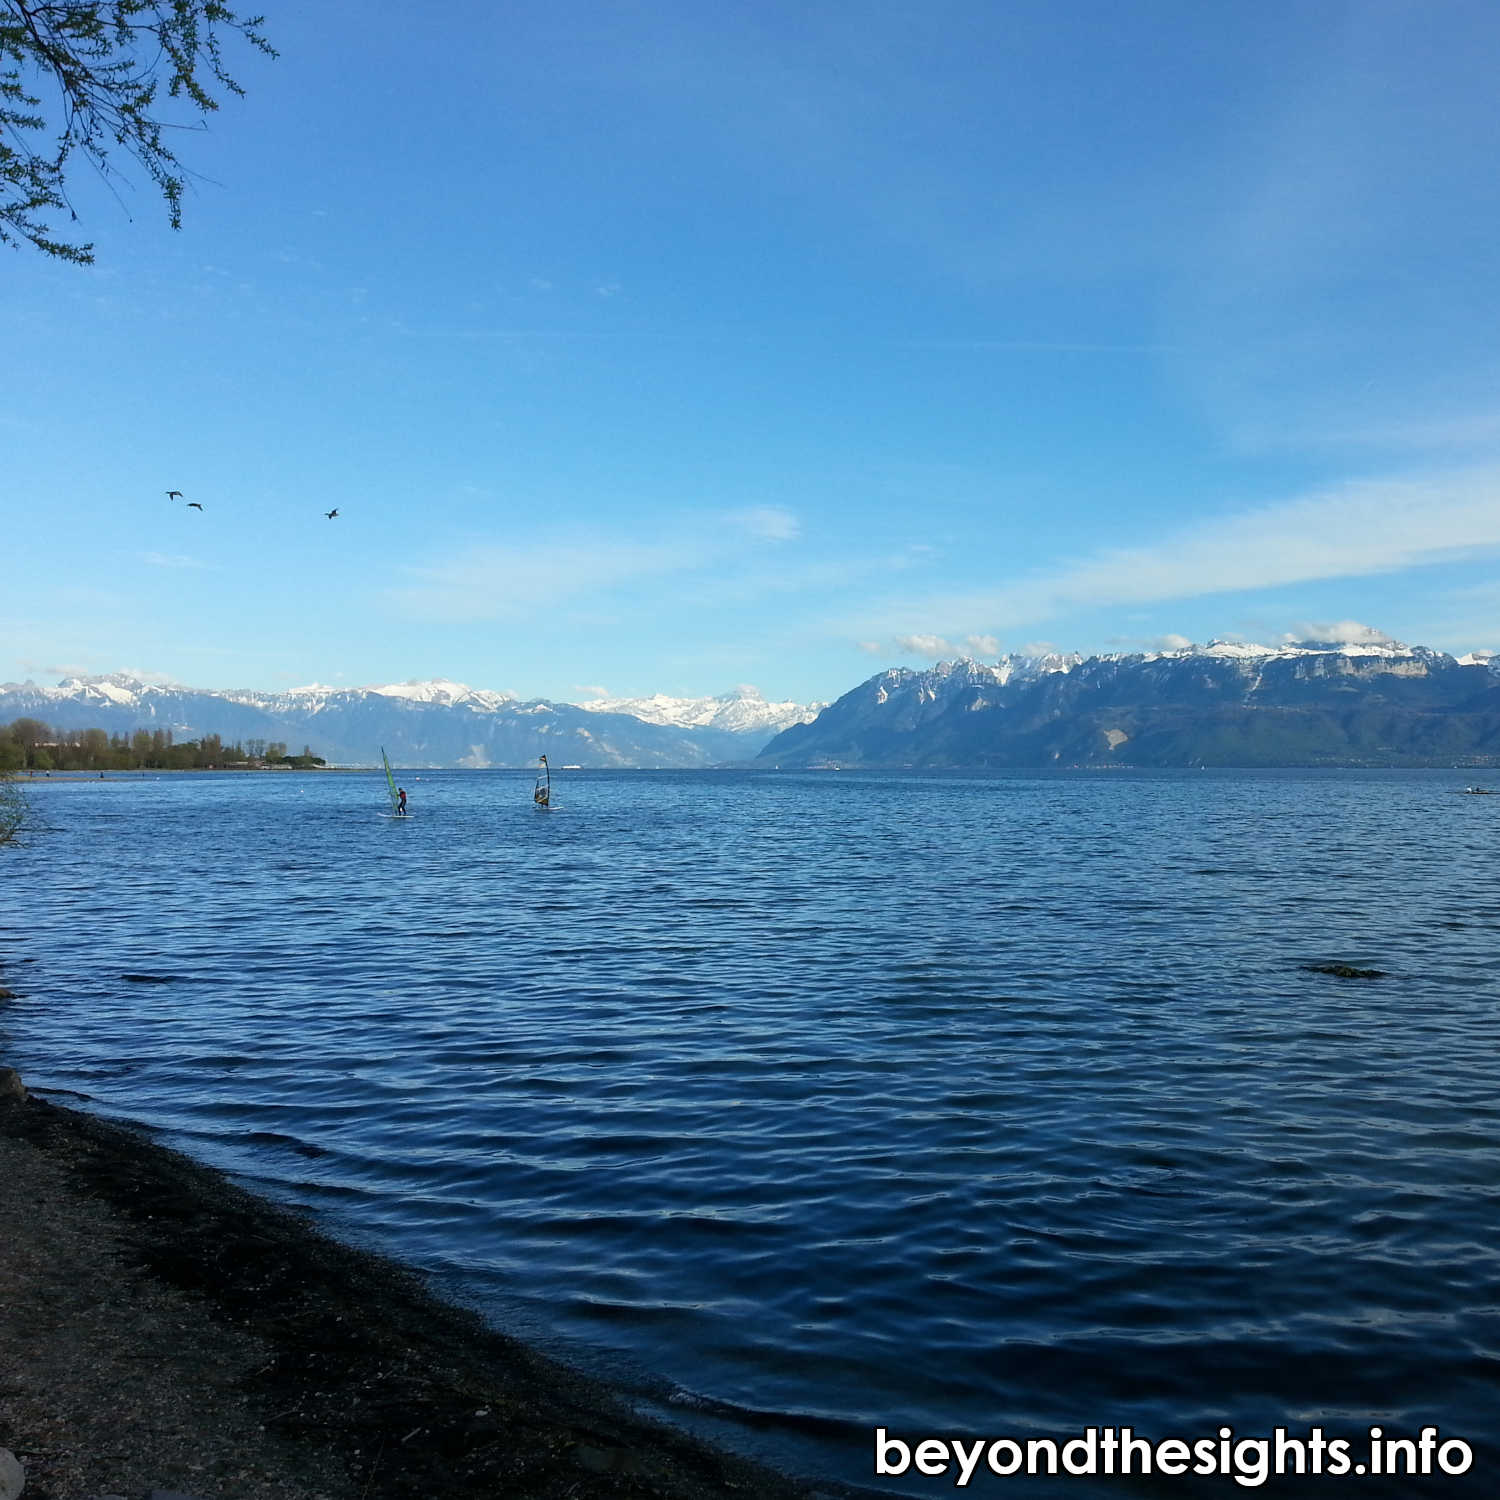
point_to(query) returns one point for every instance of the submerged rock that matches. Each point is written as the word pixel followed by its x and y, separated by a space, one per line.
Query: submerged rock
pixel 1346 971
pixel 12 1476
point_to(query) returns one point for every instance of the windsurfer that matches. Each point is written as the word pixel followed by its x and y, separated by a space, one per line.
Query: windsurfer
pixel 400 801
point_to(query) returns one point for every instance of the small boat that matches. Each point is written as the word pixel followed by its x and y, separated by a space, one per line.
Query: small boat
pixel 1478 791
pixel 541 793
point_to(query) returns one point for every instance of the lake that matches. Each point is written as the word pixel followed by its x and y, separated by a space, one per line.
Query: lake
pixel 796 1105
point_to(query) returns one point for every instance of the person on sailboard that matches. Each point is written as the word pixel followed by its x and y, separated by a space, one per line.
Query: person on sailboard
pixel 400 801
pixel 540 795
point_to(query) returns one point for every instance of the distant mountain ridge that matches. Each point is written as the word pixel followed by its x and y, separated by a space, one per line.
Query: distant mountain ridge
pixel 744 711
pixel 437 723
pixel 1227 703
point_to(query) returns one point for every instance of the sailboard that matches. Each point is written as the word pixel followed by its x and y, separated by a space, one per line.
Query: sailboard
pixel 541 793
pixel 390 782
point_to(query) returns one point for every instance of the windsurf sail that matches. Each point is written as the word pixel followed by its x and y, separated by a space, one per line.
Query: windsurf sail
pixel 390 781
pixel 542 793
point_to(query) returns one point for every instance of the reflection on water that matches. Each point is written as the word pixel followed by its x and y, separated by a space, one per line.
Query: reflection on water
pixel 802 1104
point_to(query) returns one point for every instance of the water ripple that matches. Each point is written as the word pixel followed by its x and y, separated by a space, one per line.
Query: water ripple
pixel 802 1104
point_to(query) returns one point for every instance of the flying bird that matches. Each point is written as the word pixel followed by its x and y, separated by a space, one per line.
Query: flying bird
pixel 331 513
pixel 193 505
pixel 174 494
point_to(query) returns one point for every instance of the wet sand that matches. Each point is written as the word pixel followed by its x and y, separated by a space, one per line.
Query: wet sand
pixel 162 1328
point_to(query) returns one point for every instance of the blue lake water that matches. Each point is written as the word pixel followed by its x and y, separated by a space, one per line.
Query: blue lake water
pixel 801 1104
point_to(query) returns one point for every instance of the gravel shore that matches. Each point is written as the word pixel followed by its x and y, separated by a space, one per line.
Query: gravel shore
pixel 165 1330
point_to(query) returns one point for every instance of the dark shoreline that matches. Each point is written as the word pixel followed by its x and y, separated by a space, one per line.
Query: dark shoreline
pixel 357 1373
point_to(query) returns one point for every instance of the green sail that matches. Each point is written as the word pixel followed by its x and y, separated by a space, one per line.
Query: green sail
pixel 390 781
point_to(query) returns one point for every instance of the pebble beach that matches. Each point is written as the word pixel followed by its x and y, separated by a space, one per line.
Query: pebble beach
pixel 167 1334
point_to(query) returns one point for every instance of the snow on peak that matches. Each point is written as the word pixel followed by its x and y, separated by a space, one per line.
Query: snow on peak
pixel 1045 665
pixel 1370 646
pixel 441 691
pixel 115 687
pixel 1015 667
pixel 1252 651
pixel 744 709
pixel 1231 650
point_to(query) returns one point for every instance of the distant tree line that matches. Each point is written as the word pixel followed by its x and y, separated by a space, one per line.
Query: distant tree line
pixel 30 745
pixel 12 808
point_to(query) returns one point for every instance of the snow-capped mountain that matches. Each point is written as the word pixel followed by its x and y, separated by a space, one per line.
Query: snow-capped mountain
pixel 1224 703
pixel 744 711
pixel 1375 702
pixel 441 691
pixel 437 723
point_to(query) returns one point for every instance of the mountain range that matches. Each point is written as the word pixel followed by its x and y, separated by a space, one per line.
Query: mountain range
pixel 1228 703
pixel 1304 703
pixel 421 723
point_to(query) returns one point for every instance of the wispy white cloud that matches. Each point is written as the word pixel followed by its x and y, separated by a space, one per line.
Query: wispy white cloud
pixel 771 523
pixel 481 335
pixel 171 560
pixel 84 596
pixel 1337 296
pixel 499 582
pixel 1458 428
pixel 600 570
pixel 744 579
pixel 82 669
pixel 1341 632
pixel 1168 642
pixel 1037 346
pixel 1356 529
pixel 933 647
pixel 151 679
pixel 294 258
pixel 592 690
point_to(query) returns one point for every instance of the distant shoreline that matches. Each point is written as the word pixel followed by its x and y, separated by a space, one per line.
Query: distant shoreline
pixel 41 778
pixel 154 773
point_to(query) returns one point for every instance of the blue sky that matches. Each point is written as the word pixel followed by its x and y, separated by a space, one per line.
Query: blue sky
pixel 661 347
